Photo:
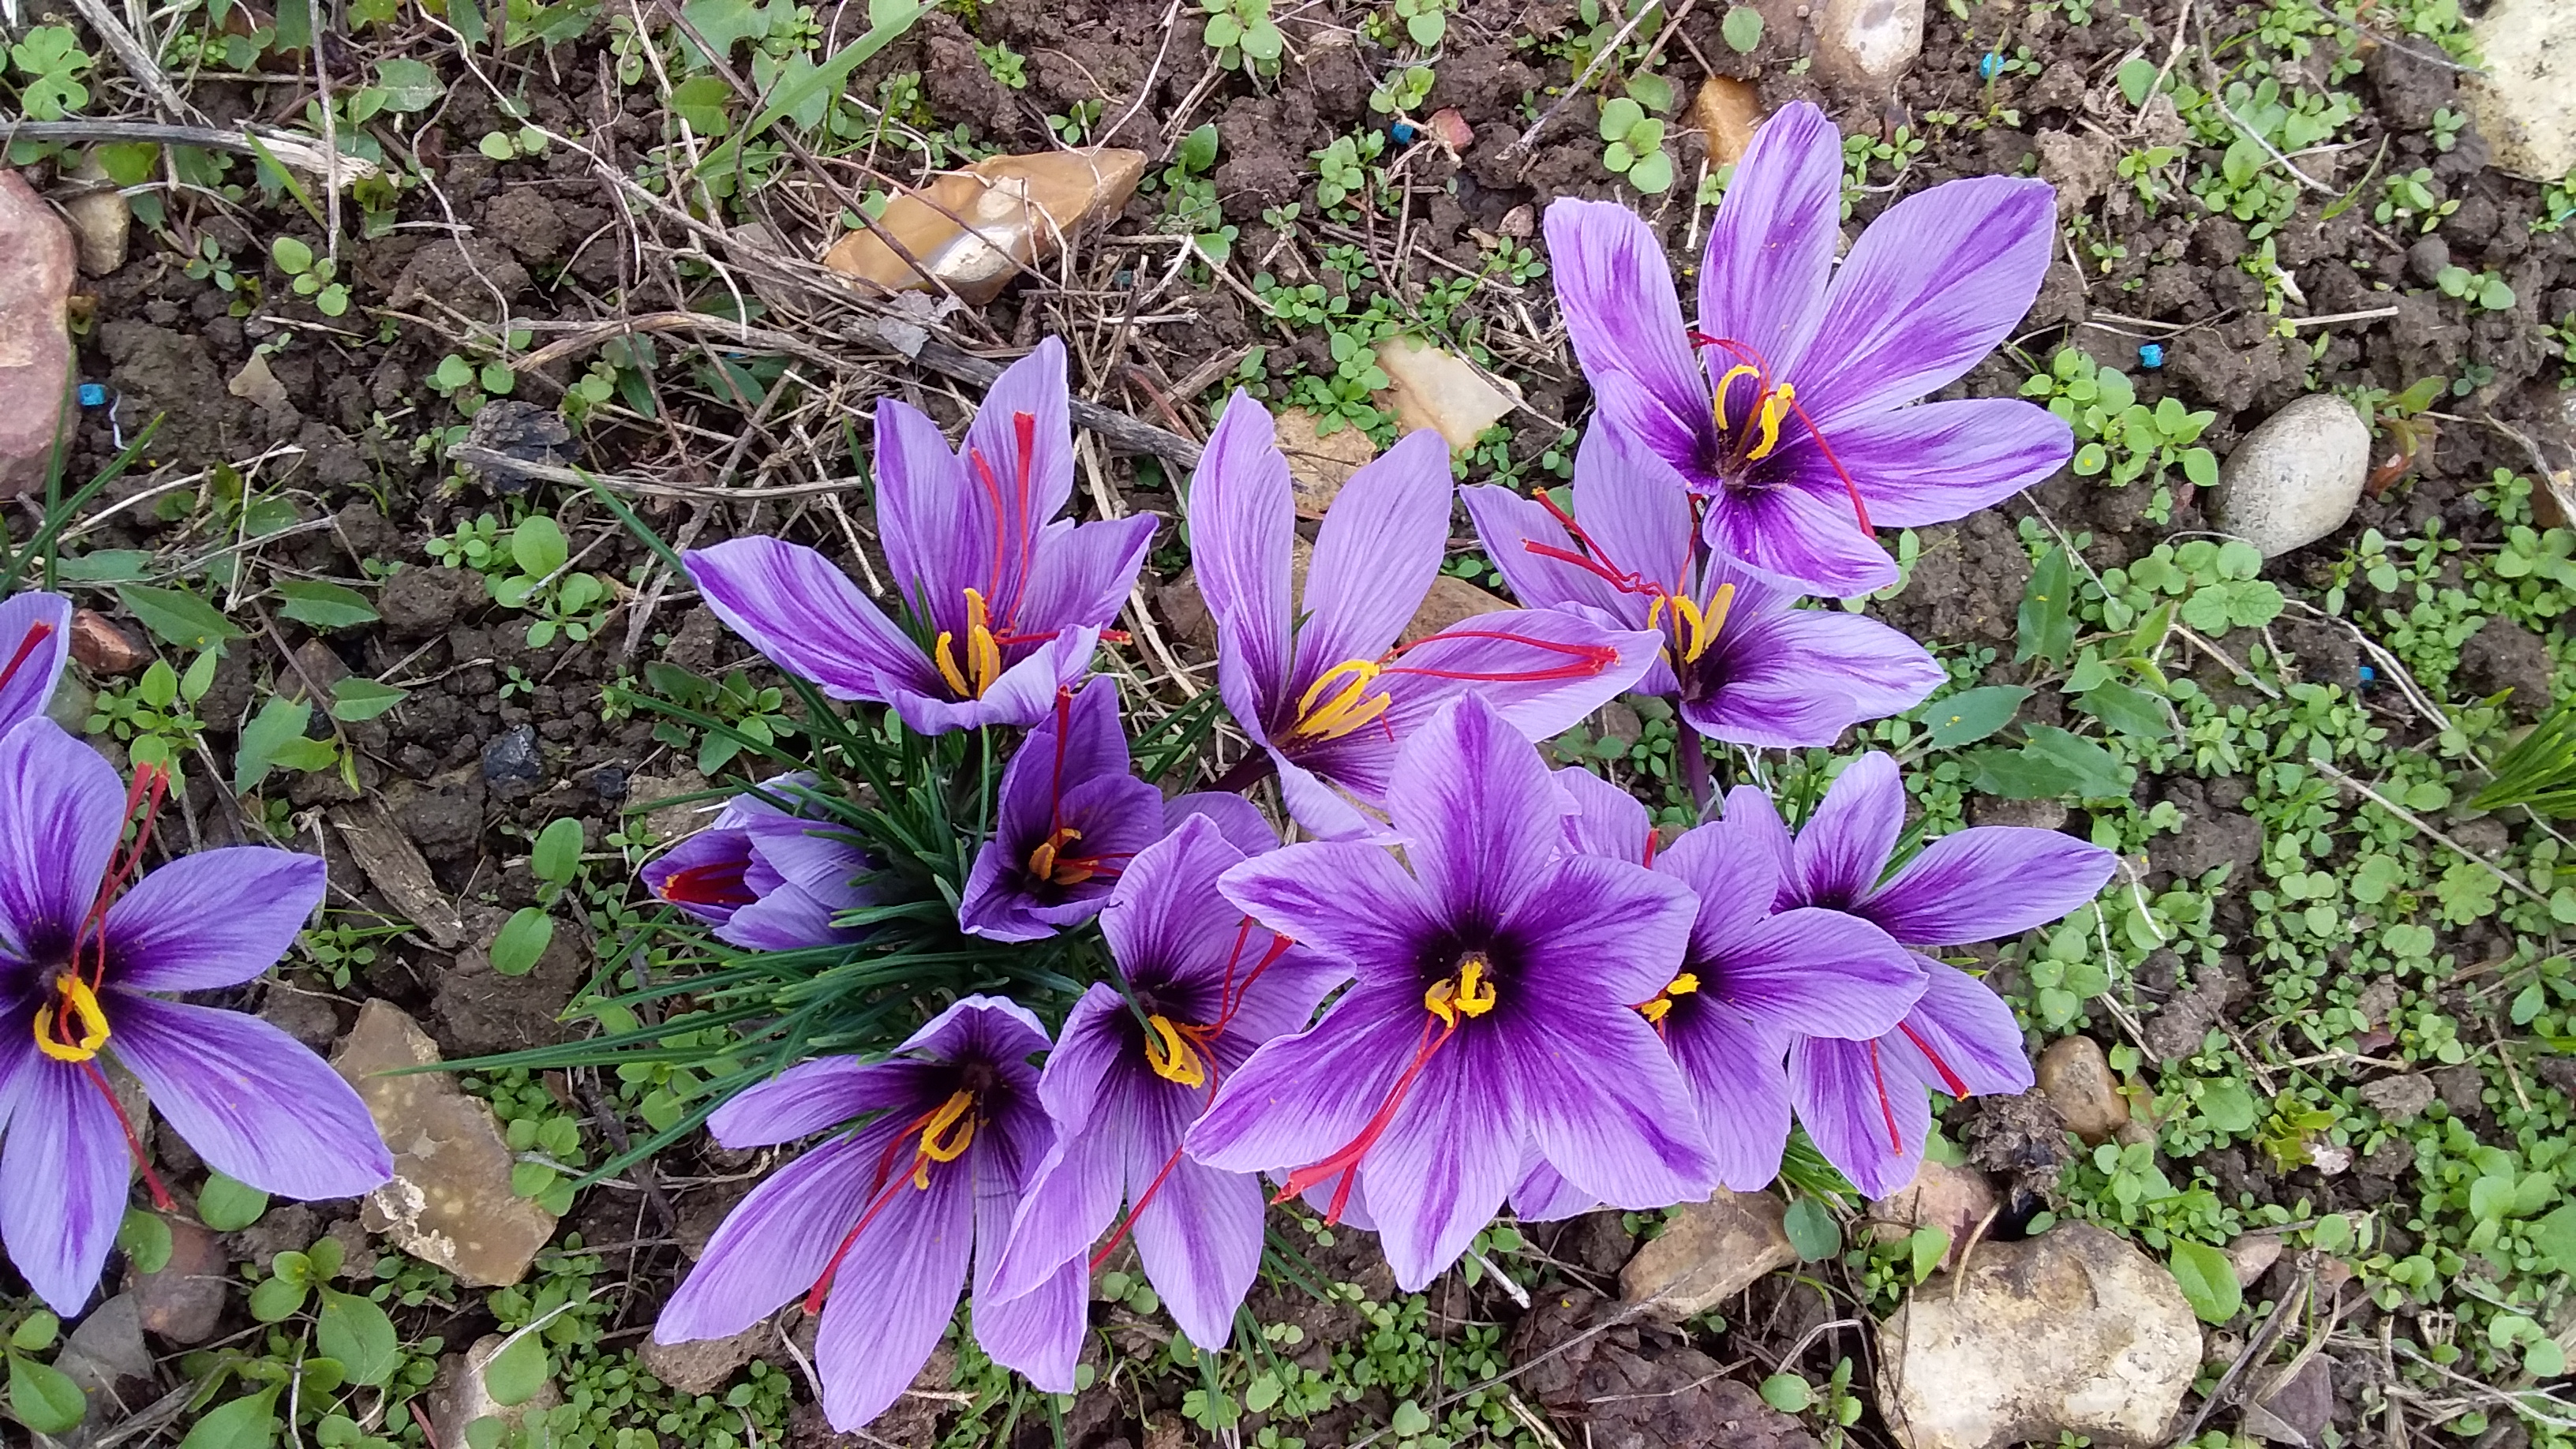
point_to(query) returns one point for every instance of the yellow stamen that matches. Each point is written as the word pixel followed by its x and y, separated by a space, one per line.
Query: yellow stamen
pixel 938 1144
pixel 1048 862
pixel 1775 404
pixel 1656 1010
pixel 983 652
pixel 79 1004
pixel 1470 994
pixel 1350 708
pixel 1699 627
pixel 1170 1056
pixel 1728 377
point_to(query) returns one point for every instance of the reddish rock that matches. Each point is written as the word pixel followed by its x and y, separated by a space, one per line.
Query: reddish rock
pixel 1450 129
pixel 183 1302
pixel 36 260
pixel 103 648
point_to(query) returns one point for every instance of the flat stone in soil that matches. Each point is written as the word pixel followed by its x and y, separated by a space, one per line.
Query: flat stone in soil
pixel 1708 1255
pixel 182 1302
pixel 2297 477
pixel 2502 655
pixel 35 341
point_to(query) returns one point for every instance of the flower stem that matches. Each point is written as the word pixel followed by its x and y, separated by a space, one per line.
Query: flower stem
pixel 1694 768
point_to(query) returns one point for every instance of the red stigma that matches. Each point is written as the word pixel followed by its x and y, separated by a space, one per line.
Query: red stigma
pixel 1583 660
pixel 717 883
pixel 143 799
pixel 1345 1164
pixel 1949 1079
pixel 36 634
pixel 1762 381
pixel 1886 1109
pixel 133 1144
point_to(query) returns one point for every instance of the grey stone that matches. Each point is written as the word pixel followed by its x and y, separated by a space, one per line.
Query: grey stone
pixel 1708 1255
pixel 513 758
pixel 460 1396
pixel 450 1201
pixel 1866 46
pixel 2522 101
pixel 2297 477
pixel 702 1366
pixel 2073 1331
pixel 2400 1099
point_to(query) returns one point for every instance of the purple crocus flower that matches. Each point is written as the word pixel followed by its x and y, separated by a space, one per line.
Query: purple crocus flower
pixel 1864 1102
pixel 1321 683
pixel 35 638
pixel 1746 664
pixel 768 879
pixel 1751 979
pixel 873 1227
pixel 1794 430
pixel 1494 1007
pixel 1003 601
pixel 77 959
pixel 1071 820
pixel 1203 987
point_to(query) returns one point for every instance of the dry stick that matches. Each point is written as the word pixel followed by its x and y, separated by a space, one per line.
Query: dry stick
pixel 2411 818
pixel 301 152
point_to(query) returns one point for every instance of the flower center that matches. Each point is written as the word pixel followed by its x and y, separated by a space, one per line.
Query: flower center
pixel 716 883
pixel 1694 628
pixel 1467 993
pixel 983 651
pixel 1049 862
pixel 75 1009
pixel 1169 1052
pixel 1656 1010
pixel 1329 716
pixel 1770 404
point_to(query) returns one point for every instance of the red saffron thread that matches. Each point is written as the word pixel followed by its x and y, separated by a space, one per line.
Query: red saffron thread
pixel 1346 1163
pixel 1887 1109
pixel 1762 381
pixel 1949 1079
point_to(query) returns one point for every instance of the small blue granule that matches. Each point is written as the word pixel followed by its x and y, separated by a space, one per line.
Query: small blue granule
pixel 93 395
pixel 1402 131
pixel 2151 355
pixel 1990 66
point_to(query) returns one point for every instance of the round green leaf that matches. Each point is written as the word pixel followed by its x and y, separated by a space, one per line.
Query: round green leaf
pixel 1812 1231
pixel 1653 173
pixel 43 1397
pixel 558 851
pixel 523 938
pixel 227 1206
pixel 1619 116
pixel 357 1333
pixel 514 1375
pixel 1788 1393
pixel 2208 1281
pixel 1742 29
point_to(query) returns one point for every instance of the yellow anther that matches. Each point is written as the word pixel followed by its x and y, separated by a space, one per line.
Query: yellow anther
pixel 1775 404
pixel 1469 994
pixel 1725 380
pixel 983 652
pixel 1170 1055
pixel 1049 863
pixel 950 1132
pixel 1697 628
pixel 78 1004
pixel 1349 708
pixel 1657 1009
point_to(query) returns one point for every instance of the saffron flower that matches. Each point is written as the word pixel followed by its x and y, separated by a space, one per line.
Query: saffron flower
pixel 1789 422
pixel 1003 601
pixel 1321 683
pixel 35 638
pixel 78 959
pixel 1137 1063
pixel 1494 1007
pixel 1751 979
pixel 874 1227
pixel 1071 819
pixel 1745 664
pixel 1864 1103
pixel 767 878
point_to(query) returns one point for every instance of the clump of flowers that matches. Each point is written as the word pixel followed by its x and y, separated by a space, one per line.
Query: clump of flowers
pixel 1473 980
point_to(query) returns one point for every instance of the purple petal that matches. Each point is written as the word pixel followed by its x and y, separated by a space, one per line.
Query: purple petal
pixel 1606 821
pixel 1802 535
pixel 61 812
pixel 1732 869
pixel 1773 710
pixel 1039 1333
pixel 816 1096
pixel 788 918
pixel 921 495
pixel 1987 883
pixel 1200 1233
pixel 1812 972
pixel 1483 817
pixel 31 675
pixel 1937 461
pixel 1739 1085
pixel 1960 1036
pixel 1327 809
pixel 1078 741
pixel 1762 284
pixel 1238 821
pixel 1002 901
pixel 806 617
pixel 1073 1192
pixel 1446 1160
pixel 776 1243
pixel 63 1172
pixel 1632 512
pixel 1880 671
pixel 1021 696
pixel 251 1100
pixel 981 1028
pixel 717 845
pixel 1374 557
pixel 1624 319
pixel 1609 932
pixel 1844 846
pixel 1083 573
pixel 1751 811
pixel 1242 518
pixel 1170 928
pixel 892 1297
pixel 1672 447
pixel 1343 898
pixel 1598 1091
pixel 1034 485
pixel 216 918
pixel 1506 524
pixel 1864 1113
pixel 1301 1098
pixel 1926 293
pixel 1543 1195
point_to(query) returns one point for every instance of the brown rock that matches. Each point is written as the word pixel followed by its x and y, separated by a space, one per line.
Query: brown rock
pixel 1708 1255
pixel 36 260
pixel 1865 46
pixel 1429 387
pixel 2251 1255
pixel 183 1302
pixel 1021 209
pixel 1450 600
pixel 450 1201
pixel 1957 1200
pixel 2077 1080
pixel 1726 110
pixel 100 220
pixel 703 1365
pixel 1319 463
pixel 259 387
pixel 1450 129
pixel 387 855
pixel 102 647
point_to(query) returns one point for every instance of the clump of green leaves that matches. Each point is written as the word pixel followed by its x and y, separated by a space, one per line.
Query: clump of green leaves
pixel 1402 91
pixel 49 63
pixel 740 714
pixel 1635 139
pixel 2119 439
pixel 2486 290
pixel 567 602
pixel 1342 168
pixel 1243 35
pixel 156 717
pixel 2539 772
pixel 311 276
